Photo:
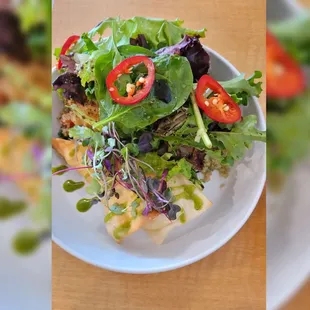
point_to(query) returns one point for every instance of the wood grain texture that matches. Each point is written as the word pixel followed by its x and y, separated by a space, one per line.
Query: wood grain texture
pixel 234 276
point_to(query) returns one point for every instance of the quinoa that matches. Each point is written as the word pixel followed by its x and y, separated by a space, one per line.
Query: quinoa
pixel 212 164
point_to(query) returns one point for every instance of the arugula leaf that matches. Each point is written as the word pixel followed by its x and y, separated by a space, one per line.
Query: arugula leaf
pixel 182 167
pixel 177 140
pixel 240 138
pixel 171 68
pixel 240 88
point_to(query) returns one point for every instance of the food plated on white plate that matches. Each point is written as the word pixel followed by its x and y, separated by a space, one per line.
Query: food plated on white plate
pixel 156 138
pixel 145 123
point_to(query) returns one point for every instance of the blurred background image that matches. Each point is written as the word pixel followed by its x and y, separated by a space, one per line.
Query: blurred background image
pixel 25 154
pixel 288 157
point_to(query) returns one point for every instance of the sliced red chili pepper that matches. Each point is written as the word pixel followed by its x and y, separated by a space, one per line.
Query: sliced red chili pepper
pixel 220 107
pixel 285 78
pixel 71 40
pixel 125 67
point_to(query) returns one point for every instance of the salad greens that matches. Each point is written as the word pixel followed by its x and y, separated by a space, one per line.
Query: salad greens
pixel 142 146
pixel 169 69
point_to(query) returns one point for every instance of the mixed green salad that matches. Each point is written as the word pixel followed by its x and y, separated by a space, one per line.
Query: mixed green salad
pixel 25 109
pixel 143 109
pixel 288 107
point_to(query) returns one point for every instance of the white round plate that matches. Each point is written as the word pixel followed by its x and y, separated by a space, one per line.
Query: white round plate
pixel 84 236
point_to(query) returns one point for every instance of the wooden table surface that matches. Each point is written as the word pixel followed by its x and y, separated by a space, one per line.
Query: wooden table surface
pixel 234 276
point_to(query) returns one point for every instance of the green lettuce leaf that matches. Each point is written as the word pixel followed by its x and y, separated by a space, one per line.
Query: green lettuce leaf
pixel 157 162
pixel 131 50
pixel 108 55
pixel 182 167
pixel 158 32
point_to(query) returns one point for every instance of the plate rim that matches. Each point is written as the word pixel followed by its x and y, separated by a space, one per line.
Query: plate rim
pixel 203 254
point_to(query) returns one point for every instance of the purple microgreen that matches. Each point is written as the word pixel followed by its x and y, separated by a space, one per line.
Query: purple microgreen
pixel 160 197
pixel 108 165
pixel 147 210
pixel 172 212
pixel 90 154
pixel 163 184
pixel 168 194
pixel 109 149
pixel 144 143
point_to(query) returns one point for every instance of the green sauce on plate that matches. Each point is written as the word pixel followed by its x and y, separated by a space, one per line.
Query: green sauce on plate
pixel 72 152
pixel 188 194
pixel 182 217
pixel 121 230
pixel 108 217
pixel 84 204
pixel 71 186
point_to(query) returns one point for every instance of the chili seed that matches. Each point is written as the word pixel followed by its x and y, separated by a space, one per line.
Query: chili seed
pixel 130 89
